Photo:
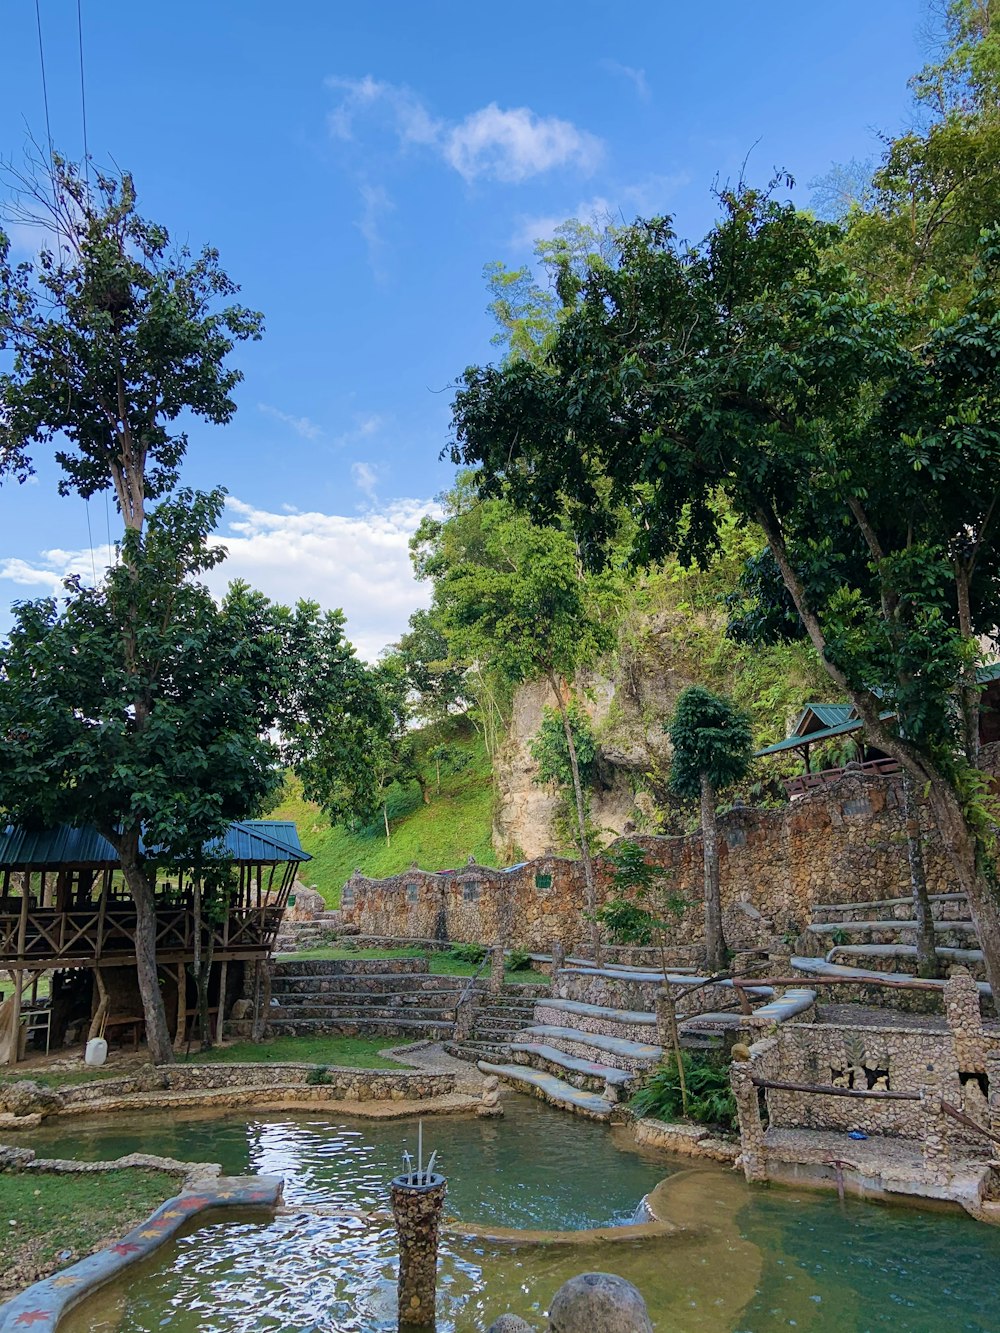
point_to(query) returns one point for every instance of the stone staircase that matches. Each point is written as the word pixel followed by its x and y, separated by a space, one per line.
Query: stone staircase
pixel 301 936
pixel 881 936
pixel 595 1035
pixel 497 1021
pixel 396 997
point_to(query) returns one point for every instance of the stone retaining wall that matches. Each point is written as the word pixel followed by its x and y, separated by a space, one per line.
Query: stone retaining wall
pixel 844 843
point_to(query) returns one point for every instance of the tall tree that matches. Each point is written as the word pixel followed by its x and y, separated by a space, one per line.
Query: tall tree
pixel 858 435
pixel 712 749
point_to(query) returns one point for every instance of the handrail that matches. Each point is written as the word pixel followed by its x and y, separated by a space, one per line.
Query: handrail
pixel 471 981
pixel 893 983
pixel 963 1119
pixel 836 1092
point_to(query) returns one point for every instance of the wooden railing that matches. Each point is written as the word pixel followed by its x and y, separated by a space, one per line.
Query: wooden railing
pixel 84 936
pixel 798 786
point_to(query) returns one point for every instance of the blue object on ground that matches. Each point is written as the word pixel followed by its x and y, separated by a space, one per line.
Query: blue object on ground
pixel 856 1134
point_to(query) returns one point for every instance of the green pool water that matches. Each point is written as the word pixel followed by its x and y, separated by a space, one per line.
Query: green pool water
pixel 747 1261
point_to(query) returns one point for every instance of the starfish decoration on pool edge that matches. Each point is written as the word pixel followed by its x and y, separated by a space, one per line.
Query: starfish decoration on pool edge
pixel 126 1247
pixel 33 1316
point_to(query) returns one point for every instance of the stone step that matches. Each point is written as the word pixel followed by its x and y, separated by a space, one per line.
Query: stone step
pixel 819 967
pixel 634 1024
pixel 944 907
pixel 552 1090
pixel 954 933
pixel 618 1052
pixel 590 1075
pixel 349 1012
pixel 430 995
pixel 474 1051
pixel 883 957
pixel 336 967
pixel 395 1027
pixel 373 984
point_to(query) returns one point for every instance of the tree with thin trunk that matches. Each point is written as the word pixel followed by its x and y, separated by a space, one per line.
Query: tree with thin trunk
pixel 712 748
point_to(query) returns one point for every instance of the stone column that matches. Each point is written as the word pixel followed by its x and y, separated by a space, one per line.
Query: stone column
pixel 416 1210
pixel 496 969
pixel 666 1017
pixel 961 1006
pixel 558 957
pixel 934 1136
pixel 752 1149
pixel 993 1077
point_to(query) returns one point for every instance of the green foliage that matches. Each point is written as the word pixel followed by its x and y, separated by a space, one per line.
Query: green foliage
pixel 443 834
pixel 113 340
pixel 318 1076
pixel 710 738
pixel 468 953
pixel 551 754
pixel 710 1099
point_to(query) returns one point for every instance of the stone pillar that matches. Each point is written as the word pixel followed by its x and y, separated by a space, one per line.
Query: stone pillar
pixel 465 1016
pixel 496 969
pixel 558 957
pixel 752 1150
pixel 934 1136
pixel 666 1017
pixel 993 1079
pixel 961 1006
pixel 416 1210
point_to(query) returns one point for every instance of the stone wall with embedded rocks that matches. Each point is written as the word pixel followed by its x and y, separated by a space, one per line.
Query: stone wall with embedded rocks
pixel 844 843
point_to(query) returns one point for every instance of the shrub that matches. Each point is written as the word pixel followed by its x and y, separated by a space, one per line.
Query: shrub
pixel 319 1075
pixel 710 1099
pixel 518 960
pixel 467 953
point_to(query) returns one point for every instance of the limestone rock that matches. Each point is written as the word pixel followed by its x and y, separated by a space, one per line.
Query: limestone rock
pixel 15 1159
pixel 148 1078
pixel 510 1323
pixel 28 1098
pixel 598 1303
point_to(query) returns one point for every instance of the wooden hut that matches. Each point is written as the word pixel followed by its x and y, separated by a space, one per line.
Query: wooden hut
pixel 65 911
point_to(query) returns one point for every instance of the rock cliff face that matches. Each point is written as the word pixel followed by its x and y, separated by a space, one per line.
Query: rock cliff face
pixel 628 705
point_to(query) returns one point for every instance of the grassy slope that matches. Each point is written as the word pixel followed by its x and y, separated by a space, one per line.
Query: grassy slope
pixel 47 1222
pixel 445 833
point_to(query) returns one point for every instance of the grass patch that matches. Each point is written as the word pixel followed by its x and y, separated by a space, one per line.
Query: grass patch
pixel 444 834
pixel 60 1219
pixel 440 964
pixel 61 1078
pixel 348 1052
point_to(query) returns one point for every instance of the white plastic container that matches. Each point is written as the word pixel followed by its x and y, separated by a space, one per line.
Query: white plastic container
pixel 97 1052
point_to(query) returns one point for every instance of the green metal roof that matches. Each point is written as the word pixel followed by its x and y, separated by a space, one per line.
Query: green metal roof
pixel 831 715
pixel 250 841
pixel 796 742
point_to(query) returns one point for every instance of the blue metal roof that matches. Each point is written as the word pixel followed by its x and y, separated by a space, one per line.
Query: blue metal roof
pixel 253 841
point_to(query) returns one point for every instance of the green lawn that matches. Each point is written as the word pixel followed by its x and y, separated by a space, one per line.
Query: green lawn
pixel 47 1222
pixel 454 826
pixel 440 964
pixel 348 1052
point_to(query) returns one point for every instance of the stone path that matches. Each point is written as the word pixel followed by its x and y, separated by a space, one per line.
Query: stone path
pixel 432 1058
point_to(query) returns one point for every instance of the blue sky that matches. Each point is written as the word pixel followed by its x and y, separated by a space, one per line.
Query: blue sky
pixel 357 165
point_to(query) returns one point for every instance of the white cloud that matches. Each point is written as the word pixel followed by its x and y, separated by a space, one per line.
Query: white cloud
pixel 507 145
pixel 53 566
pixel 365 478
pixel 637 77
pixel 513 145
pixel 300 425
pixel 375 205
pixel 366 424
pixel 358 562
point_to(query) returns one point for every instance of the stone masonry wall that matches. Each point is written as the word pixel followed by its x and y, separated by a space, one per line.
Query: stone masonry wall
pixel 844 843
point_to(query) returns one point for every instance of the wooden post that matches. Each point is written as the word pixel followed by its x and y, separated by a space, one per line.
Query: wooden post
pixel 15 1027
pixel 223 978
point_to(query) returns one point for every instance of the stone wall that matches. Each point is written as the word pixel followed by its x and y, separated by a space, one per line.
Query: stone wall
pixel 844 843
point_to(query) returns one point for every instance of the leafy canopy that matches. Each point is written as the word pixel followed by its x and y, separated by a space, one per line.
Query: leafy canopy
pixel 710 738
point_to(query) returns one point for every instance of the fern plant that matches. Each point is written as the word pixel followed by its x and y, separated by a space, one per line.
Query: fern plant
pixel 710 1098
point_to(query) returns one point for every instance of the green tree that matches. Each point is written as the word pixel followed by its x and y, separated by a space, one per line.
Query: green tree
pixel 862 436
pixel 551 753
pixel 712 749
pixel 516 603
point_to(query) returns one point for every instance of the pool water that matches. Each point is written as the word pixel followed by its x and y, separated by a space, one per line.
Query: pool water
pixel 747 1261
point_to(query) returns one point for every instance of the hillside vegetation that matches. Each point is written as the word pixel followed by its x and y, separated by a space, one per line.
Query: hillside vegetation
pixel 444 833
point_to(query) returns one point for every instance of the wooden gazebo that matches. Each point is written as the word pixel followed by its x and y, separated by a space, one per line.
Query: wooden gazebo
pixel 65 910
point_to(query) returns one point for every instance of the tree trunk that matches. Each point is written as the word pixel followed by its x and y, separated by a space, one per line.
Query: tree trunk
pixel 142 890
pixel 202 967
pixel 927 960
pixel 581 822
pixel 385 820
pixel 969 861
pixel 969 694
pixel 715 945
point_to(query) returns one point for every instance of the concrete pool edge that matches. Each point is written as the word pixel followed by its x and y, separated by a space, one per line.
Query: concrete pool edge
pixel 42 1305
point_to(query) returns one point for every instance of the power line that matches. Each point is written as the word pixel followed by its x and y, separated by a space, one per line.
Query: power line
pixel 83 90
pixel 45 89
